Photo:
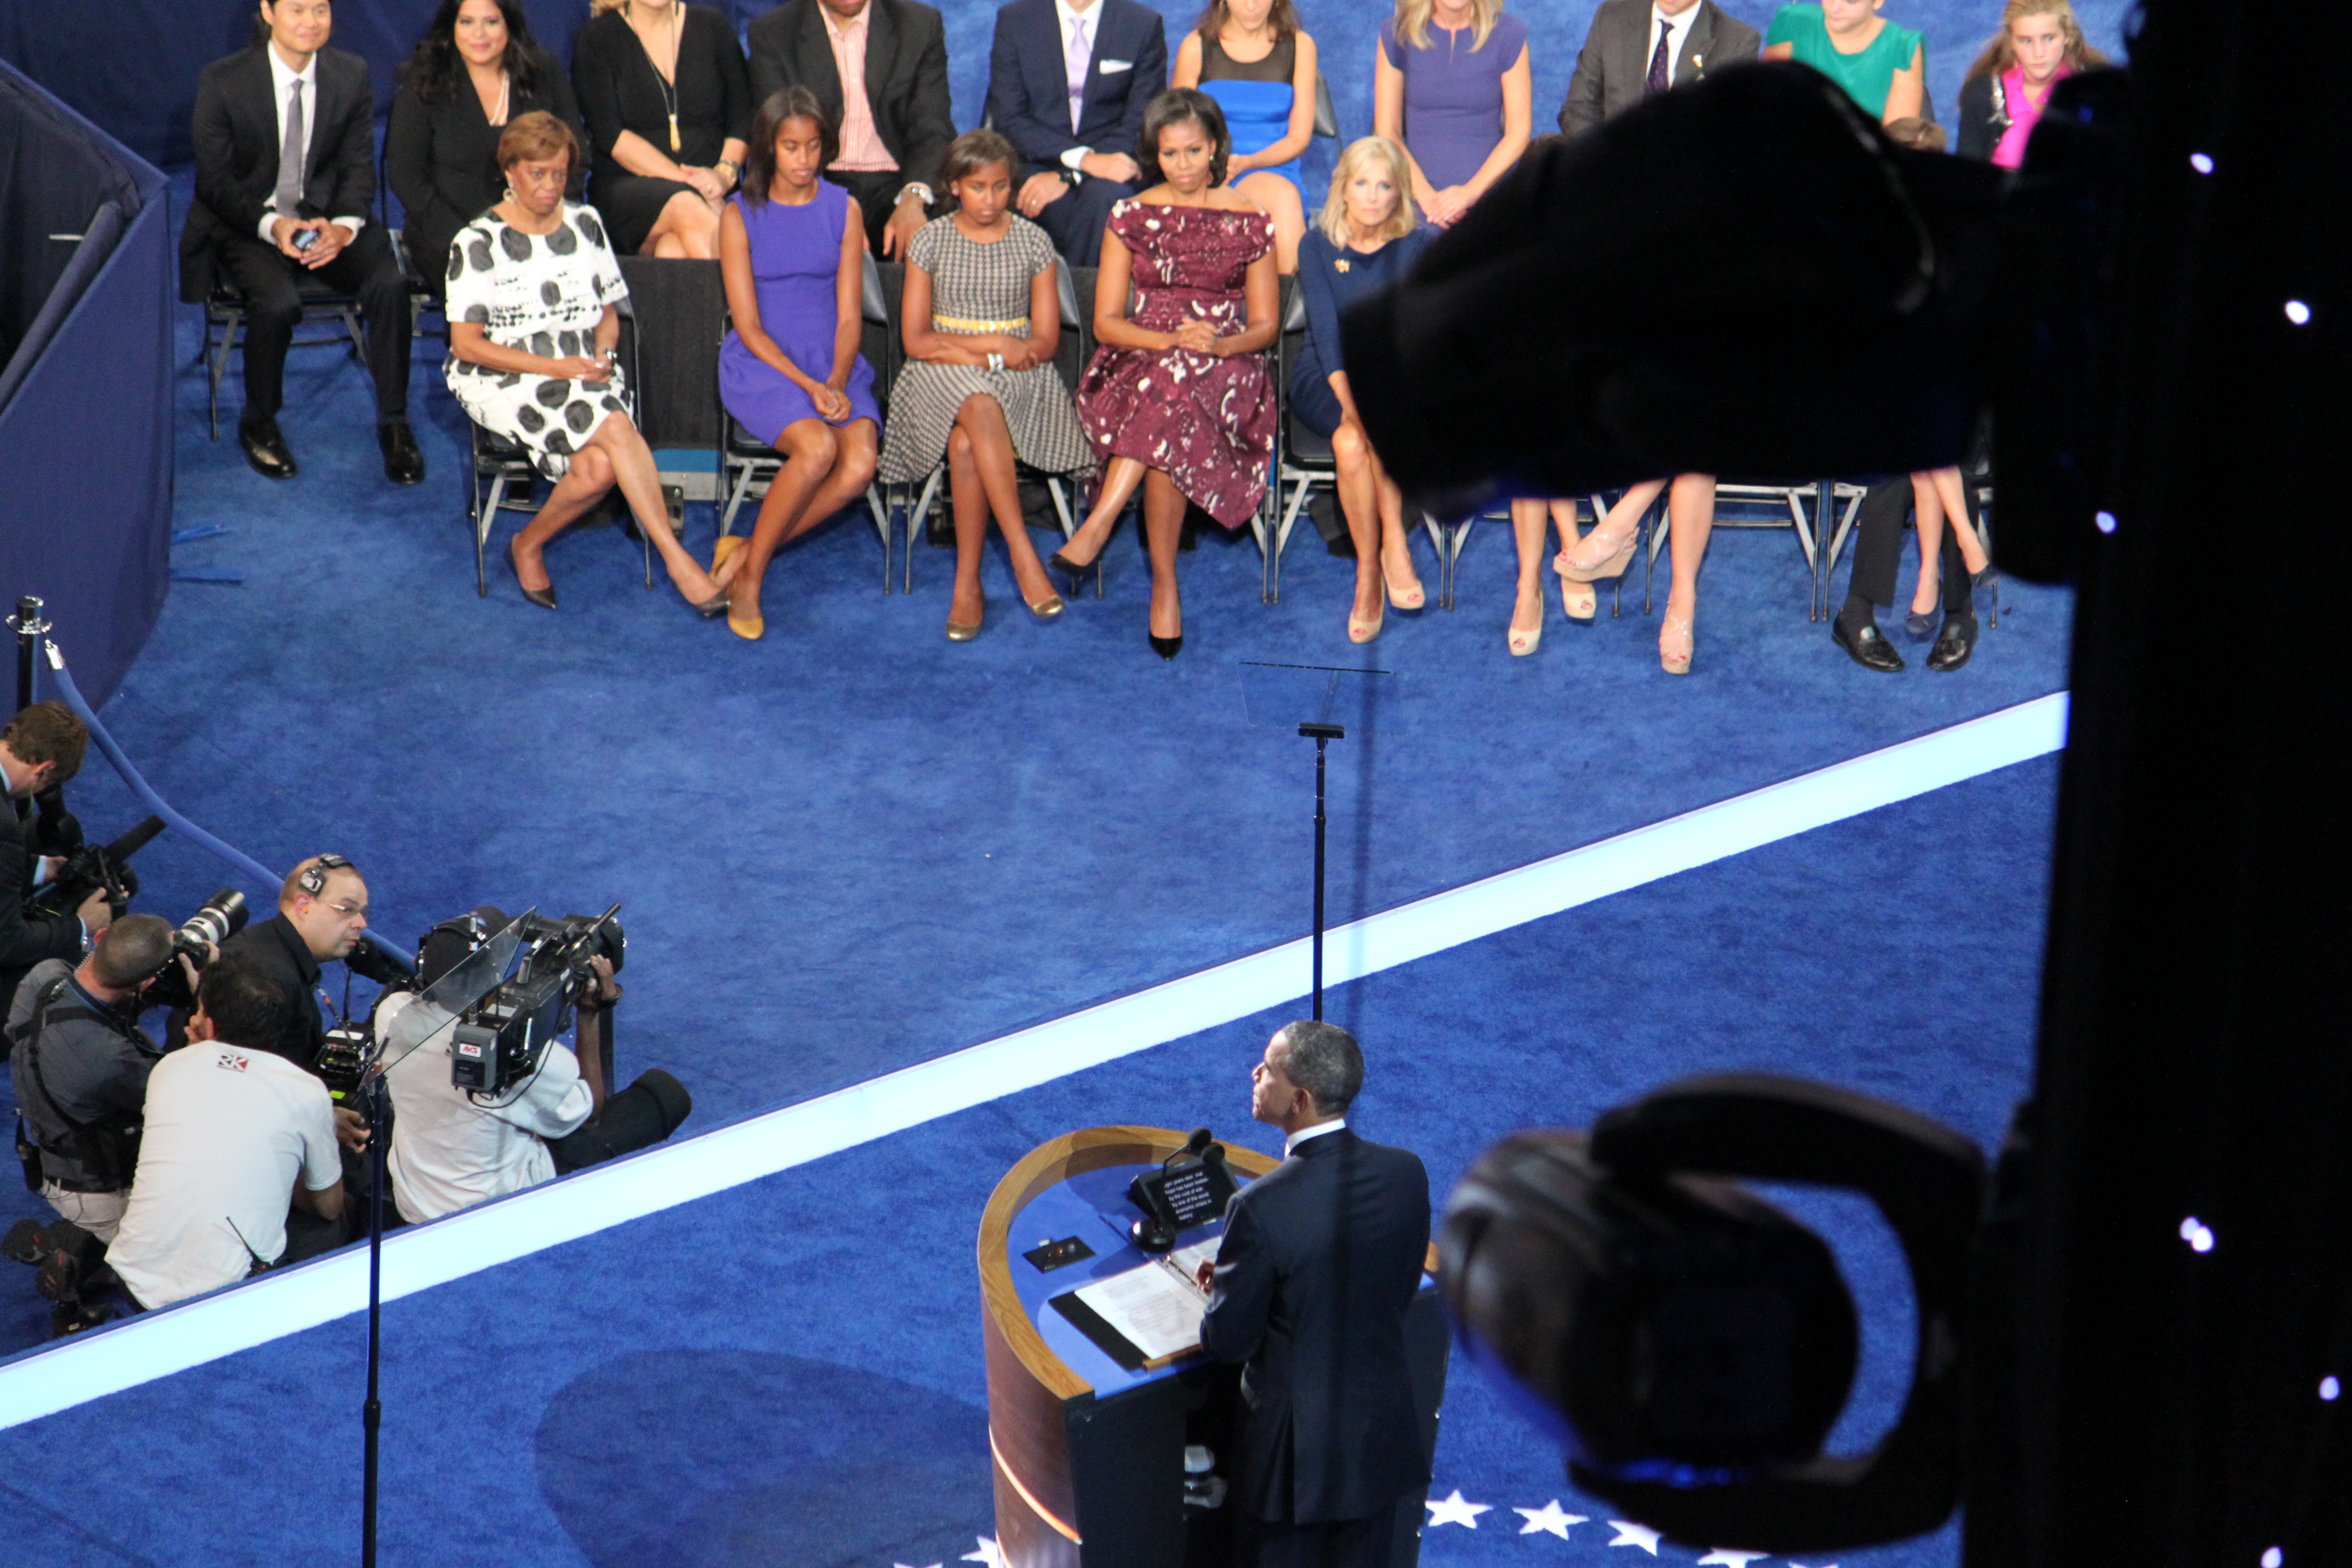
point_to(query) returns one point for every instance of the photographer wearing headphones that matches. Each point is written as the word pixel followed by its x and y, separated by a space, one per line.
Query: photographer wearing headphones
pixel 452 1149
pixel 234 1132
pixel 322 909
pixel 41 749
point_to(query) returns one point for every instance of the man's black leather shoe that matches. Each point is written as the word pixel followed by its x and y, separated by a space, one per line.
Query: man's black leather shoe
pixel 264 449
pixel 403 463
pixel 1954 644
pixel 1866 647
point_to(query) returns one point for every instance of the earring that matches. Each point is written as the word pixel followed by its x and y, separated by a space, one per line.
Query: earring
pixel 510 195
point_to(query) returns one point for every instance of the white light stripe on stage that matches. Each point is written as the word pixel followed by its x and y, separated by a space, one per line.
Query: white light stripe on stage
pixel 158 1344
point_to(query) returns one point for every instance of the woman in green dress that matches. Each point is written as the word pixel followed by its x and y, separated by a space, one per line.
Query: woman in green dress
pixel 1882 66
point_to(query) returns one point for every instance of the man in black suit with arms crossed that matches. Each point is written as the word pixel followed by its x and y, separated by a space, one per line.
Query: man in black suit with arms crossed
pixel 1320 1260
pixel 1078 142
pixel 905 75
pixel 285 138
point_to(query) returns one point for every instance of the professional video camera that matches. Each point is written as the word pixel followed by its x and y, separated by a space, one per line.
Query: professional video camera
pixel 499 1041
pixel 89 867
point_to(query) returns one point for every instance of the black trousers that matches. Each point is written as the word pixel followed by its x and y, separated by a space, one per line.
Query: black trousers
pixel 1334 1543
pixel 366 271
pixel 639 1117
pixel 1074 221
pixel 876 192
pixel 1878 546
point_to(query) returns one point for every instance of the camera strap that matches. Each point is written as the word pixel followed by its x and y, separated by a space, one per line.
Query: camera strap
pixel 97 1150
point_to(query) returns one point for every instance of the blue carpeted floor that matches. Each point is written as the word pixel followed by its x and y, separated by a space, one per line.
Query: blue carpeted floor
pixel 788 1373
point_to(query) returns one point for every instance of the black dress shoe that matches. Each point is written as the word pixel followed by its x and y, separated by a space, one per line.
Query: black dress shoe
pixel 264 449
pixel 403 463
pixel 1954 644
pixel 1866 647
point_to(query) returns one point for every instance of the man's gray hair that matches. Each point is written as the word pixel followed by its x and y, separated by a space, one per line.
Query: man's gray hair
pixel 1325 1062
pixel 132 949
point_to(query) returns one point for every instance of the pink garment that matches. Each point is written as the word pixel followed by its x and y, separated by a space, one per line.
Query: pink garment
pixel 861 146
pixel 2024 114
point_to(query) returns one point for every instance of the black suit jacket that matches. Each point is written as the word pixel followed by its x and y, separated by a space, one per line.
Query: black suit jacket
pixel 1322 1257
pixel 442 158
pixel 905 75
pixel 24 941
pixel 235 134
pixel 279 949
pixel 1029 90
pixel 1616 63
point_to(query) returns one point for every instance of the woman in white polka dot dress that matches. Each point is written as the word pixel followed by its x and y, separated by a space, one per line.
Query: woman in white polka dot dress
pixel 532 287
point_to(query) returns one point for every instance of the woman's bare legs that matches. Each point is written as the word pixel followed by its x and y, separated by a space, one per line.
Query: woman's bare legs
pixel 582 486
pixel 1163 523
pixel 824 468
pixel 1277 198
pixel 1360 502
pixel 1118 482
pixel 631 461
pixel 984 482
pixel 1608 538
pixel 1690 518
pixel 687 230
pixel 1396 542
pixel 1527 520
pixel 1938 498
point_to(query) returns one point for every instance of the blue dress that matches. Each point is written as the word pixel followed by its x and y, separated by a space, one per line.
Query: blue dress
pixel 795 260
pixel 1256 97
pixel 1454 95
pixel 1330 279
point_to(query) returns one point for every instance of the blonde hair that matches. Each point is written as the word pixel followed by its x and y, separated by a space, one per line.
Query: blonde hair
pixel 1364 149
pixel 1412 21
pixel 2000 54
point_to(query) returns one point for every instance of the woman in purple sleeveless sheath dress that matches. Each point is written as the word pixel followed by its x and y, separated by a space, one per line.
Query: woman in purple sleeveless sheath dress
pixel 788 371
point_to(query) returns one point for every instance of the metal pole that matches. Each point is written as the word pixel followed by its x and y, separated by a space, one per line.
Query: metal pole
pixel 372 1414
pixel 29 630
pixel 1323 735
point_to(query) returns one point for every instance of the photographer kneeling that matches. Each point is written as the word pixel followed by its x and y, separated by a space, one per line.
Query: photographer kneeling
pixel 233 1132
pixel 451 1148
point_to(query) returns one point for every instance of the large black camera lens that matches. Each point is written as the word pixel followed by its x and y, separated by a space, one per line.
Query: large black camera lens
pixel 219 917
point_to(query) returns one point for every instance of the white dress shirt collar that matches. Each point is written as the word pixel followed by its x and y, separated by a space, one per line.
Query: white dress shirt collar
pixel 1679 26
pixel 1290 1144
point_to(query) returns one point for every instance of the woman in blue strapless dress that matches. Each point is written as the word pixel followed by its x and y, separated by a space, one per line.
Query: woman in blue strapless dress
pixel 1252 57
pixel 793 252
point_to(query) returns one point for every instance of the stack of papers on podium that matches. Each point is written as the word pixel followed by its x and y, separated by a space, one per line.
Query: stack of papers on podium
pixel 1156 1308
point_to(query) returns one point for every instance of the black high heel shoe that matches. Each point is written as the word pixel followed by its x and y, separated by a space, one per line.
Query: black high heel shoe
pixel 1166 648
pixel 544 597
pixel 1076 572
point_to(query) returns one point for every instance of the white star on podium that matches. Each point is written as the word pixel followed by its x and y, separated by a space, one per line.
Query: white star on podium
pixel 1631 1534
pixel 988 1556
pixel 1795 1564
pixel 1729 1557
pixel 1453 1510
pixel 911 1565
pixel 1548 1518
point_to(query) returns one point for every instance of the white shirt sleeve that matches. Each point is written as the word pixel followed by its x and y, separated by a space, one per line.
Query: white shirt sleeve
pixel 322 1159
pixel 557 1102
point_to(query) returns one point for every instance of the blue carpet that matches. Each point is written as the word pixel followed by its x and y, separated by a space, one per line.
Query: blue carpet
pixel 788 1373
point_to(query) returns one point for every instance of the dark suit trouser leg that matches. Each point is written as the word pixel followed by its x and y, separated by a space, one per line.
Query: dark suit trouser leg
pixel 1878 548
pixel 640 1116
pixel 1337 1544
pixel 1075 223
pixel 369 273
pixel 272 310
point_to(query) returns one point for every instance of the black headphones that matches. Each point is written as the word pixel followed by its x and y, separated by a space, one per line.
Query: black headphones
pixel 313 879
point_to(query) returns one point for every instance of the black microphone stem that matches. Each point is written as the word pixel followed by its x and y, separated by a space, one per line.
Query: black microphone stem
pixel 372 1413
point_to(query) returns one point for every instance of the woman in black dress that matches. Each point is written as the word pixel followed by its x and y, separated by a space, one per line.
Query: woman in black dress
pixel 476 72
pixel 669 102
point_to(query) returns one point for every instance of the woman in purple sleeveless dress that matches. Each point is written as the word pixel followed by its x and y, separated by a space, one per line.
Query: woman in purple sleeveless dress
pixel 790 372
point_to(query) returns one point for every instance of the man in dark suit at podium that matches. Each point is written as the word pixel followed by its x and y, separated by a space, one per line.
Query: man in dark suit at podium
pixel 284 137
pixel 1320 1260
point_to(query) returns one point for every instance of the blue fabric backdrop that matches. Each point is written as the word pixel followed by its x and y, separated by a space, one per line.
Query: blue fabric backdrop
pixel 86 446
pixel 132 66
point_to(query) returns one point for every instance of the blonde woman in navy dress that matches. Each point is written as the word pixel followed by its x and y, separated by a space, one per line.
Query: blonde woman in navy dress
pixel 792 248
pixel 532 287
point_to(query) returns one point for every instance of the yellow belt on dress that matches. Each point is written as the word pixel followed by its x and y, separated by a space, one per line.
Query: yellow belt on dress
pixel 964 324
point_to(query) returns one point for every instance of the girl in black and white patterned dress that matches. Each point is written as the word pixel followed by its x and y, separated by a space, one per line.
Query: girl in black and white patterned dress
pixel 982 321
pixel 532 287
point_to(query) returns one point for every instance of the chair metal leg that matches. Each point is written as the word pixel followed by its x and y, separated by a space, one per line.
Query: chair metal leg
pixel 220 363
pixel 351 316
pixel 917 520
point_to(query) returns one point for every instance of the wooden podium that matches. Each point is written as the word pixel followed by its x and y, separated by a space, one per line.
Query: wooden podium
pixel 1088 1459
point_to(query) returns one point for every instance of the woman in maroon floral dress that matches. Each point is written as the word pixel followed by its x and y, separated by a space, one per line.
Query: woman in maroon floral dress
pixel 1177 398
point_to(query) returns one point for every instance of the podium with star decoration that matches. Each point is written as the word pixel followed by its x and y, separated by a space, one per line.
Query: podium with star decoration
pixel 1086 1455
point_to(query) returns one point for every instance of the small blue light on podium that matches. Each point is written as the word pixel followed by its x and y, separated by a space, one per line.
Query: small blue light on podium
pixel 2200 163
pixel 2106 520
pixel 2298 312
pixel 2329 1389
pixel 2194 1232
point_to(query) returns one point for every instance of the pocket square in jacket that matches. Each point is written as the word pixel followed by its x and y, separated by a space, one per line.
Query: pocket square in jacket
pixel 1112 68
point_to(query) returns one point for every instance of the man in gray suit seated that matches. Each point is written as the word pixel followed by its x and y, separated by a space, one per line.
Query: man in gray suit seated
pixel 1637 47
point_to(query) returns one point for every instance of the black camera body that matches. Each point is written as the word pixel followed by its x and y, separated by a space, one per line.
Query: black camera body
pixel 90 868
pixel 501 1041
pixel 344 1059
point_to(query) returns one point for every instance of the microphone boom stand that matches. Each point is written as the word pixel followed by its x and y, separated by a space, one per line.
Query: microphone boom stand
pixel 372 1414
pixel 1322 735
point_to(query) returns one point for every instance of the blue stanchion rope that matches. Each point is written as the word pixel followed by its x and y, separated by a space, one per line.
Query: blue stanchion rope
pixel 261 875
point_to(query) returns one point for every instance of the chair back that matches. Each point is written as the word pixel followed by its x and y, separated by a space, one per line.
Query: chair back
pixel 884 348
pixel 1070 354
pixel 1327 114
pixel 678 311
